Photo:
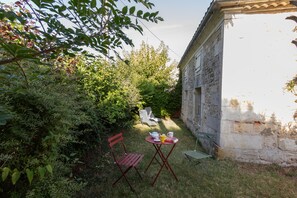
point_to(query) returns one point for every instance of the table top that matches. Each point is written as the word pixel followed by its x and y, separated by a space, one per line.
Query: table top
pixel 168 141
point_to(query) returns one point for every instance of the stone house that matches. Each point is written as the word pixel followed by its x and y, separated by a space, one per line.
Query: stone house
pixel 234 72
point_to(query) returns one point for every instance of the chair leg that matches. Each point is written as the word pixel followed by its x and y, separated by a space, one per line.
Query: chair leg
pixel 198 162
pixel 129 183
pixel 123 175
pixel 138 172
pixel 188 157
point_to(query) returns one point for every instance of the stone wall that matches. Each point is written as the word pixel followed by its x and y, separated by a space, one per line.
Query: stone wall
pixel 211 82
pixel 257 123
pixel 244 105
pixel 211 57
pixel 251 137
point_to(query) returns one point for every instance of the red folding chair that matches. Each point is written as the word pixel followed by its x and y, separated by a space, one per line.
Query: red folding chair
pixel 123 159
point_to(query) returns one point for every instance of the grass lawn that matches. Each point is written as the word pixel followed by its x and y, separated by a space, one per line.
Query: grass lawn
pixel 210 178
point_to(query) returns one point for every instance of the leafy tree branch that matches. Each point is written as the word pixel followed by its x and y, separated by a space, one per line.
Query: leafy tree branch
pixel 75 24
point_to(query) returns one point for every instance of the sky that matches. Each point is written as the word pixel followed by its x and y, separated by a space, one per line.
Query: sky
pixel 181 19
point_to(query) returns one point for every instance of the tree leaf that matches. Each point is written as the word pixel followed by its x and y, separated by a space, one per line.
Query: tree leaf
pixel 30 175
pixel 146 15
pixel 37 2
pixel 15 176
pixel 62 8
pixel 24 52
pixel 10 48
pixel 154 14
pixel 41 171
pixel 125 10
pixel 93 3
pixel 49 168
pixel 10 15
pixel 132 10
pixel 5 172
pixel 139 13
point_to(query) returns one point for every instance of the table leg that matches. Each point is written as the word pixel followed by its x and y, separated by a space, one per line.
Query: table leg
pixel 154 157
pixel 165 163
pixel 169 164
pixel 162 157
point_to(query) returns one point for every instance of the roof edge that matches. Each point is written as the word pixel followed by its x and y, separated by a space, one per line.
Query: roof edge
pixel 204 20
pixel 236 6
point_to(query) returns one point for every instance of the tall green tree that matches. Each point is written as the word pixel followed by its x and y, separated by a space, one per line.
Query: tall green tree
pixel 151 72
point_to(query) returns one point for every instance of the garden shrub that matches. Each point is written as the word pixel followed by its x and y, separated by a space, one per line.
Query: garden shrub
pixel 58 186
pixel 41 120
pixel 52 109
pixel 110 94
pixel 149 70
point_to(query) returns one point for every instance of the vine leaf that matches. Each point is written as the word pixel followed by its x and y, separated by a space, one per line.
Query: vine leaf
pixel 49 169
pixel 30 175
pixel 15 176
pixel 5 172
pixel 41 171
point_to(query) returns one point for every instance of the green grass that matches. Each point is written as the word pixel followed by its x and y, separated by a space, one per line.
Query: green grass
pixel 210 178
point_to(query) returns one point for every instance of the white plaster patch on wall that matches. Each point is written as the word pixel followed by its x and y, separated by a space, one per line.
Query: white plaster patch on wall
pixel 241 111
pixel 258 61
pixel 242 141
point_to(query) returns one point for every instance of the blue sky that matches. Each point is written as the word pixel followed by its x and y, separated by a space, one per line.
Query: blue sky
pixel 181 19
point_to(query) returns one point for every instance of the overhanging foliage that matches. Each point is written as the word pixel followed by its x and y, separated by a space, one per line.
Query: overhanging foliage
pixel 68 27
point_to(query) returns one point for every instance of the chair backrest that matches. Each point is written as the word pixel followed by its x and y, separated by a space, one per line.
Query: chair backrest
pixel 149 112
pixel 208 137
pixel 145 119
pixel 116 140
pixel 143 116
